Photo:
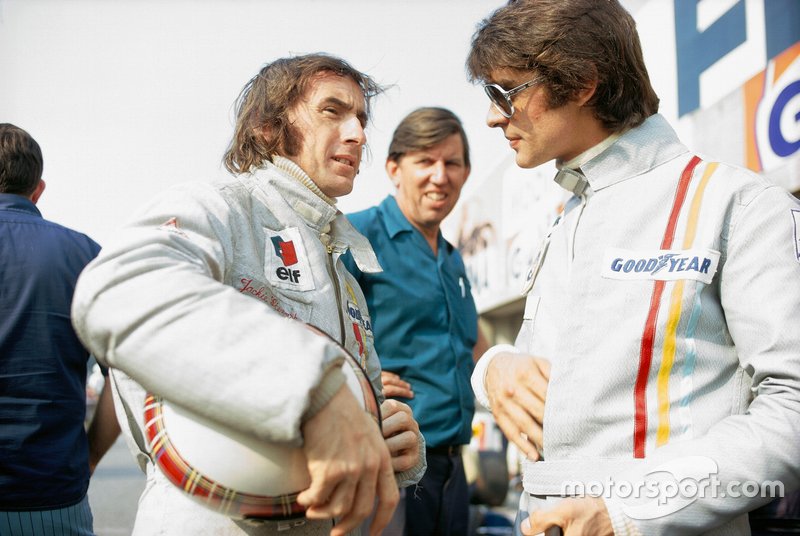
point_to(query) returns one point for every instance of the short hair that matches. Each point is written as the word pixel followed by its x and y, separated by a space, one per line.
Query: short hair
pixel 570 43
pixel 21 162
pixel 264 103
pixel 424 128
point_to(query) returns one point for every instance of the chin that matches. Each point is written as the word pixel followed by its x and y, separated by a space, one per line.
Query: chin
pixel 527 162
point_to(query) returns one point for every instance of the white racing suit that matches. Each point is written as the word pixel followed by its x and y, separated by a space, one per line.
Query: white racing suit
pixel 667 302
pixel 199 299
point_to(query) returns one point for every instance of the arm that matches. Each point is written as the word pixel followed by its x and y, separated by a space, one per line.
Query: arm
pixel 348 471
pixel 104 429
pixel 155 304
pixel 760 295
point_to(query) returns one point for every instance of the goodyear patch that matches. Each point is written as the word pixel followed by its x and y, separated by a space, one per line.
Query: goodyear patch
pixel 663 265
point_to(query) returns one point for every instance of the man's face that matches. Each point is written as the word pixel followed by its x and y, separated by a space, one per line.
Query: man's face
pixel 330 120
pixel 536 132
pixel 429 182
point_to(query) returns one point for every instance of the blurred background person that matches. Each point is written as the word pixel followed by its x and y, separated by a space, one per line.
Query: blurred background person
pixel 46 458
pixel 422 312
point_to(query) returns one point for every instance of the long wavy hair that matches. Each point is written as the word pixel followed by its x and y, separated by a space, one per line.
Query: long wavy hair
pixel 262 125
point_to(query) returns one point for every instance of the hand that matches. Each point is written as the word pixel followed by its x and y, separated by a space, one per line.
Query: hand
pixel 394 387
pixel 349 465
pixel 516 385
pixel 585 516
pixel 401 433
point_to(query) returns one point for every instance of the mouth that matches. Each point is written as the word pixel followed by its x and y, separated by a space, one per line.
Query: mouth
pixel 436 196
pixel 347 160
pixel 513 142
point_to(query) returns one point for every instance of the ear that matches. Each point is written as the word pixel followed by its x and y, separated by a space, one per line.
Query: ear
pixel 393 170
pixel 584 95
pixel 37 193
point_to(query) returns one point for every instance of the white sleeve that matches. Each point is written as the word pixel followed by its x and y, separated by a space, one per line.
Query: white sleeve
pixel 154 304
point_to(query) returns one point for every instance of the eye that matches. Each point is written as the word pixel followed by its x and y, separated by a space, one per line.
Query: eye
pixel 455 163
pixel 330 110
pixel 425 161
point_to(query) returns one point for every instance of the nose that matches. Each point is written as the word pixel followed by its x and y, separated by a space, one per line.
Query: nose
pixel 353 131
pixel 438 172
pixel 494 118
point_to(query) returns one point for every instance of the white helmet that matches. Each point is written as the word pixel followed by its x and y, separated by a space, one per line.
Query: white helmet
pixel 230 472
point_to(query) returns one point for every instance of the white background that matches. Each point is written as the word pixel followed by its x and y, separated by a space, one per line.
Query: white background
pixel 128 97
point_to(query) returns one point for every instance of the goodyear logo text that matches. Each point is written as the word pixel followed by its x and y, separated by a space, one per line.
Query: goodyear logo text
pixel 664 265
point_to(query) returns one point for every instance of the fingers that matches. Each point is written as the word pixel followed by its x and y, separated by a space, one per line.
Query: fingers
pixel 397 418
pixel 525 411
pixel 401 432
pixel 337 503
pixel 538 523
pixel 517 389
pixel 394 386
pixel 404 450
pixel 345 453
pixel 514 434
pixel 362 504
pixel 388 497
pixel 585 516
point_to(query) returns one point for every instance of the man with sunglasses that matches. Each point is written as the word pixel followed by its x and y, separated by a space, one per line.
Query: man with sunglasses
pixel 655 350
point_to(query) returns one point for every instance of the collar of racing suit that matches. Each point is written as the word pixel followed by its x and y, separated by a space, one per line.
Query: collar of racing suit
pixel 570 175
pixel 297 173
pixel 317 210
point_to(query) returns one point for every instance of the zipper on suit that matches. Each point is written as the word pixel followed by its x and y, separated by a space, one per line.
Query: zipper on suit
pixel 337 290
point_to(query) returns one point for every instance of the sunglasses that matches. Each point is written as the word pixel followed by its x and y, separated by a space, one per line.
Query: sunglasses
pixel 502 98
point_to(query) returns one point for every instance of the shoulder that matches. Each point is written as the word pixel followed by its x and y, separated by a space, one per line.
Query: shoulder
pixel 199 201
pixel 366 219
pixel 68 238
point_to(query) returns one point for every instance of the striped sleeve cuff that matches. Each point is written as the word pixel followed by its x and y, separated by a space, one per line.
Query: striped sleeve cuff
pixel 330 384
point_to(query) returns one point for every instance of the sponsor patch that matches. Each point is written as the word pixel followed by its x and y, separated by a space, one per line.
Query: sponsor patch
pixel 354 312
pixel 796 218
pixel 663 265
pixel 286 261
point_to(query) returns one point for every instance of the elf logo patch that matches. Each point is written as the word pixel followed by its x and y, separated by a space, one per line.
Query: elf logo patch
pixel 663 265
pixel 285 250
pixel 286 262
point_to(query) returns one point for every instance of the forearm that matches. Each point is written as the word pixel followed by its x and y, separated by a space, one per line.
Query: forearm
pixel 156 306
pixel 719 476
pixel 104 429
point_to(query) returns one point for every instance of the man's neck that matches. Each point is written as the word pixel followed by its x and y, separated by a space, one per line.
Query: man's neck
pixel 591 152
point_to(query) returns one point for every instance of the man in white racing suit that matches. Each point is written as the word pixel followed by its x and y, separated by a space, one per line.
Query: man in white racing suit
pixel 202 297
pixel 655 382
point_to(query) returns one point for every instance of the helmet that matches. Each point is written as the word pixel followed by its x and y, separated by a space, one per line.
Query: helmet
pixel 230 472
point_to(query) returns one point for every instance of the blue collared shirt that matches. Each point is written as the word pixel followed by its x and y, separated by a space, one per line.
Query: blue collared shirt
pixel 424 320
pixel 44 460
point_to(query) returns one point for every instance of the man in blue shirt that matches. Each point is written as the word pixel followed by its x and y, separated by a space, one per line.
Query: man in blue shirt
pixel 45 457
pixel 423 315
